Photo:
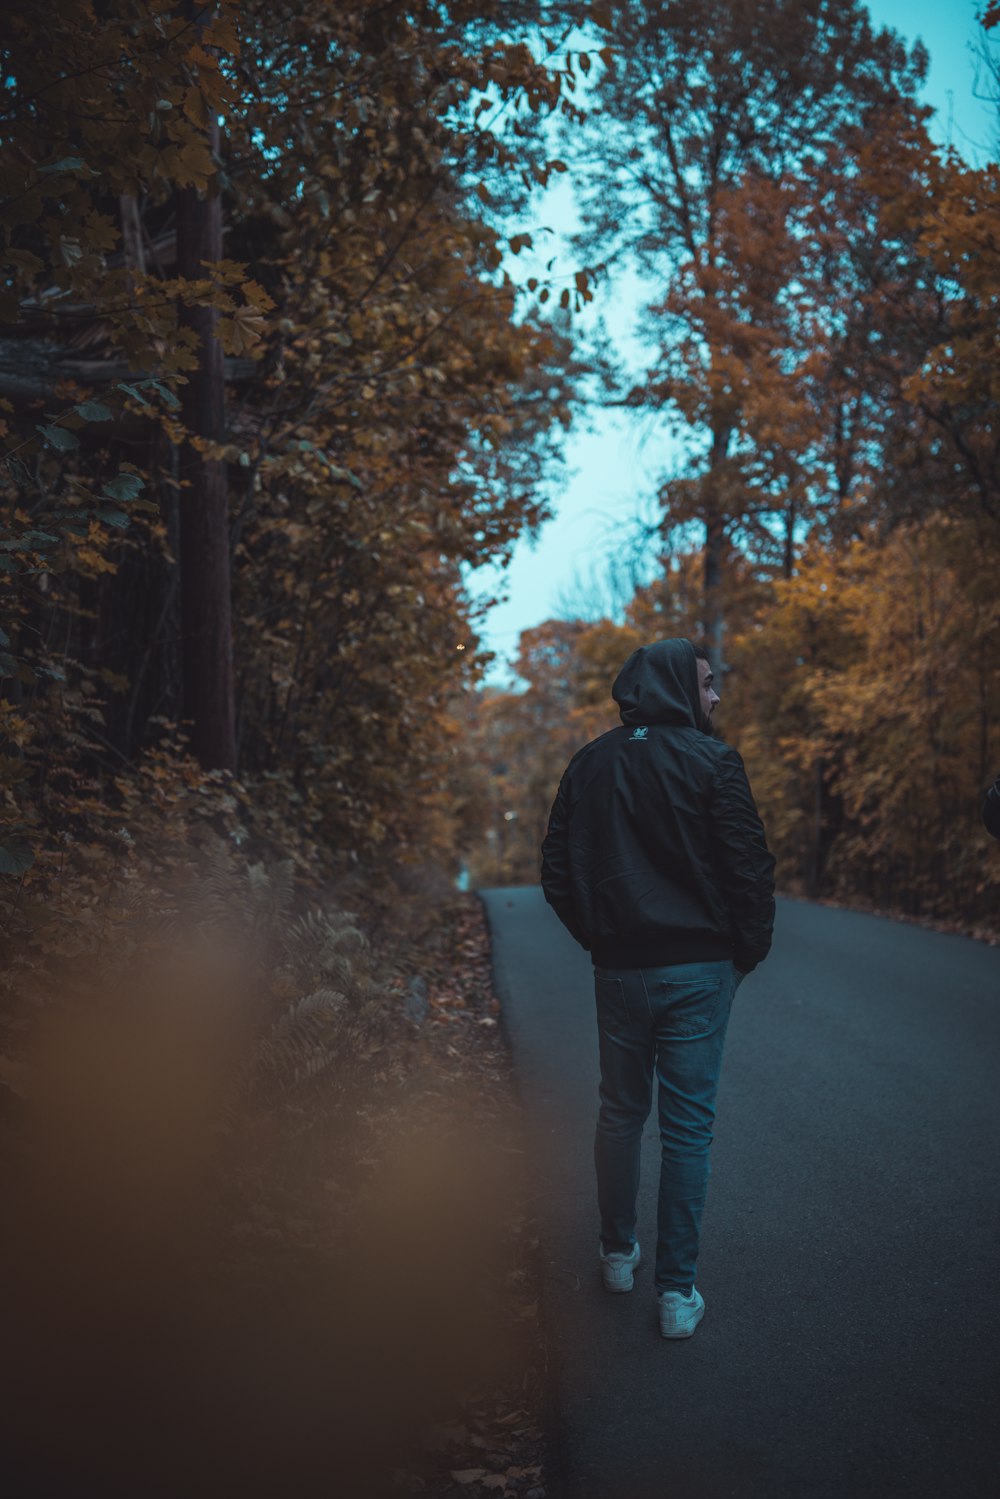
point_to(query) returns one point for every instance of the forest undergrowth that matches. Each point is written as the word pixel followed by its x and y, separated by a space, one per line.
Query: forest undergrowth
pixel 261 1153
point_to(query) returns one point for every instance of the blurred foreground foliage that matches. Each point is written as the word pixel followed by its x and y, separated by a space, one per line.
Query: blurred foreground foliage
pixel 265 390
pixel 253 1240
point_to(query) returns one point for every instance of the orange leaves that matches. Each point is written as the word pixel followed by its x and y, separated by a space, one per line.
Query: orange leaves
pixel 960 232
pixel 122 117
pixel 196 57
pixel 949 214
pixel 383 443
pixel 242 324
pixel 196 108
pixel 187 163
pixel 221 34
pixel 242 332
pixel 859 695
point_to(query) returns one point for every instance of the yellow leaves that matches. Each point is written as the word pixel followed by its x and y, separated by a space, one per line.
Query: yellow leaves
pixel 187 165
pixel 197 57
pixel 242 333
pixel 222 31
pixel 24 261
pixel 960 232
pixel 218 452
pixel 100 232
pixel 395 358
pixel 93 562
pixel 867 670
pixel 89 552
pixel 195 108
pixel 255 295
pixel 242 326
pixel 15 726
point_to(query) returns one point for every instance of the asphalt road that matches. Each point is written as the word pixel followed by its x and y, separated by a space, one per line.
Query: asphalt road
pixel 851 1343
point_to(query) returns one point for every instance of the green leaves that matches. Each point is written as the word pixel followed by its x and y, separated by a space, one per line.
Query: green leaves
pixel 67 164
pixel 58 438
pixel 13 666
pixel 15 858
pixel 135 393
pixel 166 394
pixel 343 475
pixel 28 541
pixel 124 487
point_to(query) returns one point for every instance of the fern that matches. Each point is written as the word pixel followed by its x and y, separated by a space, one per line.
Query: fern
pixel 303 1039
pixel 324 940
pixel 270 892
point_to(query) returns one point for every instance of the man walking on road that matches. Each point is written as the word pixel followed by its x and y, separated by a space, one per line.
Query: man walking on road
pixel 655 860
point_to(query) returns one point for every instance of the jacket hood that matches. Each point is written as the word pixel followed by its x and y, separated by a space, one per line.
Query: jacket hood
pixel 659 684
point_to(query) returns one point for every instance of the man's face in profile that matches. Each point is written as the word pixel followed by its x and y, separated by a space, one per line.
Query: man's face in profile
pixel 709 696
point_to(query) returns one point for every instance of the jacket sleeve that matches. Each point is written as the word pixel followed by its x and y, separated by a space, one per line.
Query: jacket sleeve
pixel 991 809
pixel 744 864
pixel 556 884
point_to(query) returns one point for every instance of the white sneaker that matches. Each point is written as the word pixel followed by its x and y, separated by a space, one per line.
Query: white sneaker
pixel 616 1269
pixel 680 1314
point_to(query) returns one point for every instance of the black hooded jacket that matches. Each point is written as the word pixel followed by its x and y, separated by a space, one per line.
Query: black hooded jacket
pixel 655 853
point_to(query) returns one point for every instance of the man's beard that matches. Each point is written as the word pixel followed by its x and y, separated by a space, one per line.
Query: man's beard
pixel 707 724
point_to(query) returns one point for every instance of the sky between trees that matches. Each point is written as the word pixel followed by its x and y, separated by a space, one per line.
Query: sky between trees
pixel 613 458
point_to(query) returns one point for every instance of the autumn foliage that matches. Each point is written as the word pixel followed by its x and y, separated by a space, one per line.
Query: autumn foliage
pixel 826 339
pixel 266 389
pixel 266 392
pixel 273 382
pixel 269 391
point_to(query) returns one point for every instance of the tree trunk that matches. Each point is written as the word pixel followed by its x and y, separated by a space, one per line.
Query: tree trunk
pixel 206 618
pixel 714 618
pixel 788 561
pixel 714 614
pixel 814 881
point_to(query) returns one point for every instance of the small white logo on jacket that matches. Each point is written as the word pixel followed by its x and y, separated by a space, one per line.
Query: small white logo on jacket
pixel 640 733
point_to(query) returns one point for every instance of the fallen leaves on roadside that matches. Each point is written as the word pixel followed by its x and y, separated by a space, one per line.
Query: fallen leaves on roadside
pixel 440 1438
pixel 491 1442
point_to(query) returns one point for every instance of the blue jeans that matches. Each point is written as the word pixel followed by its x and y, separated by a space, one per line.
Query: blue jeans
pixel 672 1021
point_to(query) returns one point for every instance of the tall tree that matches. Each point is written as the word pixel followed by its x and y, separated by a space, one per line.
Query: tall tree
pixel 712 137
pixel 118 123
pixel 393 431
pixel 206 609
